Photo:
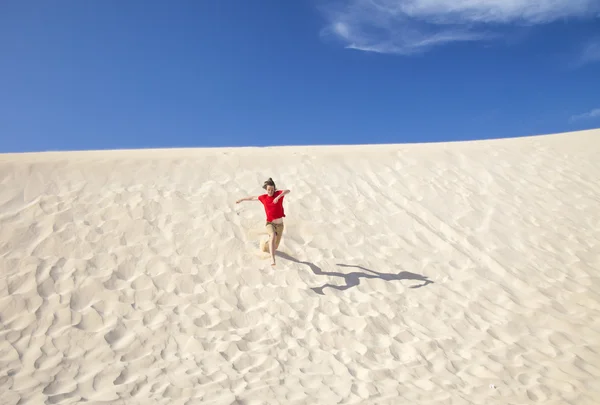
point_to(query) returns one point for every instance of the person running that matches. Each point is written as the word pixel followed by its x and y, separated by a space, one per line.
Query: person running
pixel 273 204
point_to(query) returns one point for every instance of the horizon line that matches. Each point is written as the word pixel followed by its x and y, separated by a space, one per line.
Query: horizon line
pixel 286 146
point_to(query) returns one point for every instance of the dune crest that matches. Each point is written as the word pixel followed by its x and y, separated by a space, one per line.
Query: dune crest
pixel 451 273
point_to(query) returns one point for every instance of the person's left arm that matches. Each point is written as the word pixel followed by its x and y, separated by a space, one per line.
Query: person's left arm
pixel 283 192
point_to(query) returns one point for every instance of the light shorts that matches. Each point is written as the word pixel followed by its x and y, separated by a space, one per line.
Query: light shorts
pixel 276 229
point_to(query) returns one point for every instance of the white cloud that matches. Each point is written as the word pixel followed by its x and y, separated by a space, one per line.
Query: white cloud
pixel 595 113
pixel 495 11
pixel 409 26
pixel 590 53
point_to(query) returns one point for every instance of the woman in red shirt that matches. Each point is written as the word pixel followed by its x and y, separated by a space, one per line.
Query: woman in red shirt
pixel 273 204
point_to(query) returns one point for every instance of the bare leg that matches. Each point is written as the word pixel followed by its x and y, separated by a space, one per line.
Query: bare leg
pixel 272 248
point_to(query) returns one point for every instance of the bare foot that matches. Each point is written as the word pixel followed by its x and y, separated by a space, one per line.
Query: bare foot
pixel 273 263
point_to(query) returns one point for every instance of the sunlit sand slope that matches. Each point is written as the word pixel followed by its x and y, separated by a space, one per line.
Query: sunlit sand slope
pixel 451 273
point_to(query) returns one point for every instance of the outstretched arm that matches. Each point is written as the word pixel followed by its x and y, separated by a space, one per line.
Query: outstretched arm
pixel 251 198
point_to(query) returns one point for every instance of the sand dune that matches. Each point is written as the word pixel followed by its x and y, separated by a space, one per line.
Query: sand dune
pixel 452 273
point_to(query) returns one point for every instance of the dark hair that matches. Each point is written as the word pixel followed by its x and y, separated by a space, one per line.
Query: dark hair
pixel 269 182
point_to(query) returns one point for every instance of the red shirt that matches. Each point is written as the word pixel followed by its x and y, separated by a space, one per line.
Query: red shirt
pixel 273 211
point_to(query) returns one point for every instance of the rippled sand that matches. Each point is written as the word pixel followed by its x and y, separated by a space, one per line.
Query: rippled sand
pixel 451 273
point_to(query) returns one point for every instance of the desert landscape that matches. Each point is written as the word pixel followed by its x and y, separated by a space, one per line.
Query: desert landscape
pixel 435 273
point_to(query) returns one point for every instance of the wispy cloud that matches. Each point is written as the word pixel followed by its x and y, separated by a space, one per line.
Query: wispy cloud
pixel 595 113
pixel 590 52
pixel 411 26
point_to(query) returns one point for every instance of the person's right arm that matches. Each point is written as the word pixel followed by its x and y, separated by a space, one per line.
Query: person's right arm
pixel 251 198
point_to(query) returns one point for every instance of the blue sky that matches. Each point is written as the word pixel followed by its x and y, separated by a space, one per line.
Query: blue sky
pixel 153 74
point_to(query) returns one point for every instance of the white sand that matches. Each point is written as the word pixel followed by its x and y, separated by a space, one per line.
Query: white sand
pixel 132 277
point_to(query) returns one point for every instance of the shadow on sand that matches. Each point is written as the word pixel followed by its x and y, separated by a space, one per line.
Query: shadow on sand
pixel 353 279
